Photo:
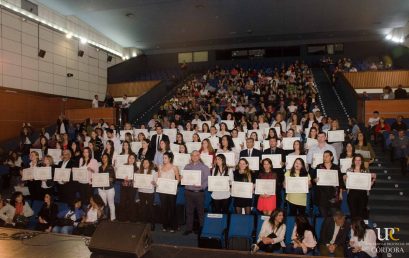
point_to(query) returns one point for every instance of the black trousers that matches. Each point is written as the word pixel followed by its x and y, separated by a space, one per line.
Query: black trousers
pixel 194 200
pixel 85 191
pixel 146 202
pixel 126 209
pixel 327 211
pixel 168 207
pixel 269 248
pixel 296 209
pixel 221 206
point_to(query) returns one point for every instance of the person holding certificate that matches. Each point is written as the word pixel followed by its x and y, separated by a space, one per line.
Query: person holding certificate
pixel 109 150
pixel 250 151
pixel 227 146
pixel 127 192
pixel 163 148
pixel 168 201
pixel 297 201
pixel 328 198
pixel 194 194
pixel 143 152
pixel 363 145
pixel 108 193
pixel 126 148
pixel 349 151
pixel 221 200
pixel 146 195
pixel 267 203
pixel 207 148
pixel 85 189
pixel 243 174
pixel 34 186
pixel 298 148
pixel 66 190
pixel 358 199
pixel 47 185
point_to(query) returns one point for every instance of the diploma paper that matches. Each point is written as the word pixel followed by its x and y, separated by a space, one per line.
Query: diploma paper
pixel 345 164
pixel 214 142
pixel 167 186
pixel 191 177
pixel 258 132
pixel 100 180
pixel 336 136
pixel 23 189
pixel 242 189
pixel 275 159
pixel 42 173
pixel 62 174
pixel 291 158
pixel 317 158
pixel 174 147
pixel 55 154
pixel 288 142
pixel 28 174
pixel 364 153
pixel 80 175
pixel 229 123
pixel 327 177
pixel 242 136
pixel 135 146
pixel 265 186
pixel 187 135
pixel 143 181
pixel 359 181
pixel 230 159
pixel 120 160
pixel 144 131
pixel 296 184
pixel 218 184
pixel 181 159
pixel 124 172
pixel 310 143
pixel 237 143
pixel 207 159
pixel 39 151
pixel 193 146
pixel 171 133
pixel 254 163
pixel 203 136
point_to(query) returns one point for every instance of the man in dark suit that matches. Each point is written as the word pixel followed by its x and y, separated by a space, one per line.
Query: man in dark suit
pixel 155 140
pixel 67 190
pixel 250 151
pixel 334 235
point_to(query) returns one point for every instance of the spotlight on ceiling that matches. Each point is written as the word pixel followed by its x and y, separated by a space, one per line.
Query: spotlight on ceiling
pixel 68 35
pixel 83 40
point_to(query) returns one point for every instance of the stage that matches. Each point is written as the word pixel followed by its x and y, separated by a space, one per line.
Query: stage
pixel 50 245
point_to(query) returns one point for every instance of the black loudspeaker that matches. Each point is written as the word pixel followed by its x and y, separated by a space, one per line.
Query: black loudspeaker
pixel 41 53
pixel 109 58
pixel 121 239
pixel 80 53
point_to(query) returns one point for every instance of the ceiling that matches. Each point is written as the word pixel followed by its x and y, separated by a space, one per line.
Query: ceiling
pixel 163 25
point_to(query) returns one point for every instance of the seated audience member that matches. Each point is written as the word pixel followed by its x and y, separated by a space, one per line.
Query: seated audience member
pixel 349 151
pixel 401 93
pixel 14 163
pixel 6 213
pixel 387 93
pixel 303 238
pixel 363 240
pixel 47 215
pixel 21 210
pixel 363 145
pixel 400 145
pixel 334 235
pixel 372 122
pixel 380 128
pixel 93 215
pixel 69 218
pixel 272 233
pixel 399 124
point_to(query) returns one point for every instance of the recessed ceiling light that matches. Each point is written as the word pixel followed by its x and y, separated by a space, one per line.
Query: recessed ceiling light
pixel 129 15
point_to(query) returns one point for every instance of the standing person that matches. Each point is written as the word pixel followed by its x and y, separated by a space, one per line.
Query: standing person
pixel 195 194
pixel 109 100
pixel 221 199
pixel 168 201
pixel 272 233
pixel 267 203
pixel 85 188
pixel 125 104
pixel 334 235
pixel 95 102
pixel 358 199
pixel 243 174
pixel 108 193
pixel 143 152
pixel 34 186
pixel 155 140
pixel 328 198
pixel 127 193
pixel 400 145
pixel 363 240
pixel 47 186
pixel 320 148
pixel 163 148
pixel 146 195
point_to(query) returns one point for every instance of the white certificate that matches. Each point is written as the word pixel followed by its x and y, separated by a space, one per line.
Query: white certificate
pixel 193 146
pixel 203 136
pixel 317 158
pixel 39 151
pixel 265 186
pixel 214 142
pixel 42 173
pixel 288 142
pixel 100 180
pixel 290 159
pixel 123 132
pixel 296 184
pixel 257 145
pixel 207 159
pixel 358 181
pixel 218 184
pixel 124 172
pixel 311 143
pixel 62 174
pixel 181 159
pixel 258 132
pixel 174 147
pixel 242 136
pixel 229 123
pixel 345 164
pixel 187 135
pixel 135 146
pixel 80 175
pixel 144 131
pixel 275 159
pixel 120 160
pixel 366 154
pixel 254 163
pixel 336 136
pixel 230 159
pixel 143 181
pixel 191 177
pixel 171 133
pixel 55 154
pixel 242 189
pixel 23 189
pixel 27 174
pixel 327 177
pixel 167 186
pixel 237 143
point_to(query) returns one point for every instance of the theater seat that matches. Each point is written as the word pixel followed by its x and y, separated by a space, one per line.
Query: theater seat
pixel 36 207
pixel 260 221
pixel 214 231
pixel 344 204
pixel 240 232
pixel 289 223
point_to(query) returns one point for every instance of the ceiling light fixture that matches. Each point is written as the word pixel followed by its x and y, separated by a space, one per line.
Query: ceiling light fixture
pixel 83 41
pixel 68 35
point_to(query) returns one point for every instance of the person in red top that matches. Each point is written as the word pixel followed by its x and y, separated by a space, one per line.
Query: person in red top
pixel 379 129
pixel 267 203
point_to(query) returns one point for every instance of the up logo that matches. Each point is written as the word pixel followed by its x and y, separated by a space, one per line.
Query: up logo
pixel 388 234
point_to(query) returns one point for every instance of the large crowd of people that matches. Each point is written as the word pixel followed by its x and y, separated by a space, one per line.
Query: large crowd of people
pixel 243 125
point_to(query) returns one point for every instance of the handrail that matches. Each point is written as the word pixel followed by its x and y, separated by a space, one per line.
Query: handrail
pixel 351 99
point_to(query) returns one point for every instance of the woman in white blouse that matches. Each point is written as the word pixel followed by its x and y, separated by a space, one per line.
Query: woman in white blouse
pixel 146 195
pixel 86 161
pixel 272 233
pixel 303 239
pixel 363 240
pixel 221 199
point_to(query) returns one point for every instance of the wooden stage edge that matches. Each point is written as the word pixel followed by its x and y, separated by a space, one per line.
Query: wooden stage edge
pixel 50 245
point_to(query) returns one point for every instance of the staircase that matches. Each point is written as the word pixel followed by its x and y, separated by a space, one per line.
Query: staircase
pixel 330 101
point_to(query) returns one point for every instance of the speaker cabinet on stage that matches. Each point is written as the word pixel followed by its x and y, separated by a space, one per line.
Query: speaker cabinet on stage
pixel 120 238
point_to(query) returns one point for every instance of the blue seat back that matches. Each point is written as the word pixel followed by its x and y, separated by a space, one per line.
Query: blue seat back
pixel 289 223
pixel 180 196
pixel 344 204
pixel 241 225
pixel 214 225
pixel 317 228
pixel 260 221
